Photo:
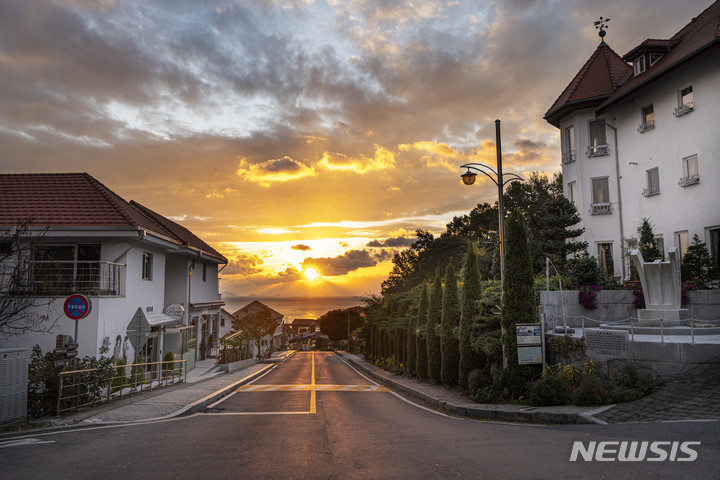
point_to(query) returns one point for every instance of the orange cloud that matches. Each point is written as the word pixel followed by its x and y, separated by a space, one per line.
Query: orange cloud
pixel 276 170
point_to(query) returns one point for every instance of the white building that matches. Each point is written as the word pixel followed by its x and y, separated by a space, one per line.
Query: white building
pixel 131 262
pixel 640 138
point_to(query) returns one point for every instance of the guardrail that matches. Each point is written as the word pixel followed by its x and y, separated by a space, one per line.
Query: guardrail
pixel 82 388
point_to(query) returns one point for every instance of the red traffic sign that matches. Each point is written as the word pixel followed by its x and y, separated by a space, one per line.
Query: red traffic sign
pixel 77 307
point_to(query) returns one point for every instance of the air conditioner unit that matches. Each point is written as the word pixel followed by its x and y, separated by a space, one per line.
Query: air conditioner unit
pixel 13 383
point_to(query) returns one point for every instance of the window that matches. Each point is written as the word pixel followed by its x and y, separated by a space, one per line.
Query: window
pixel 605 259
pixel 691 174
pixel 147 266
pixel 653 182
pixel 222 320
pixel 58 269
pixel 686 102
pixel 600 196
pixel 598 143
pixel 714 235
pixel 572 192
pixel 660 244
pixel 569 141
pixel 654 57
pixel 648 119
pixel 204 275
pixel 682 242
pixel 639 65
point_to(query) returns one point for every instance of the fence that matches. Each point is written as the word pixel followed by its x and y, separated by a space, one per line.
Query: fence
pixel 81 388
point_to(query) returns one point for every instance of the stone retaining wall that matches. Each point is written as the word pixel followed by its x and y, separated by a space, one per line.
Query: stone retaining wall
pixel 231 367
pixel 618 305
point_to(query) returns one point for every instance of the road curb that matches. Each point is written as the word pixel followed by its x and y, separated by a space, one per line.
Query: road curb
pixel 534 415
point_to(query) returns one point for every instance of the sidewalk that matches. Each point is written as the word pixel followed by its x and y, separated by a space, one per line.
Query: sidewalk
pixel 205 385
pixel 695 398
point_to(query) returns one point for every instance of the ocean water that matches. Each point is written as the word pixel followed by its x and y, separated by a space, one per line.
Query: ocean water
pixel 292 308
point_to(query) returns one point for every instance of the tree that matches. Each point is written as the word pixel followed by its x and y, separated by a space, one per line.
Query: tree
pixel 421 358
pixel 255 326
pixel 334 323
pixel 20 311
pixel 468 357
pixel 411 345
pixel 434 318
pixel 450 320
pixel 698 264
pixel 647 243
pixel 518 303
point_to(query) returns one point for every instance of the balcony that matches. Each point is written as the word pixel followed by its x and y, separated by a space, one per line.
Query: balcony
pixel 689 180
pixel 568 157
pixel 597 151
pixel 684 109
pixel 645 127
pixel 601 209
pixel 56 278
pixel 651 191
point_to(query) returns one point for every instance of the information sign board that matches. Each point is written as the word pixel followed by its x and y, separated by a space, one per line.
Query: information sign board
pixel 606 343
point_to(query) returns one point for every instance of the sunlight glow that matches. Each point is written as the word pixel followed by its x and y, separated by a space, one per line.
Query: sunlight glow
pixel 311 274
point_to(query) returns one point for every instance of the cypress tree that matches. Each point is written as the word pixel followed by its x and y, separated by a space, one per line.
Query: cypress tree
pixel 410 347
pixel 518 303
pixel 450 319
pixel 434 318
pixel 698 264
pixel 469 359
pixel 421 358
pixel 647 243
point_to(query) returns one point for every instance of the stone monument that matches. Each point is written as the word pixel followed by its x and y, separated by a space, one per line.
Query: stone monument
pixel 660 282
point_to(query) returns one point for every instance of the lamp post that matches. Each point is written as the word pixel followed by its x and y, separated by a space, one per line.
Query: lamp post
pixel 498 179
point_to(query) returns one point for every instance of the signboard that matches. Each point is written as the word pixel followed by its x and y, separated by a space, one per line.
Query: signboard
pixel 528 334
pixel 606 343
pixel 530 355
pixel 175 311
pixel 77 307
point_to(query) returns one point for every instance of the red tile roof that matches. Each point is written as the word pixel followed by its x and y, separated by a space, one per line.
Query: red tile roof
pixel 700 36
pixel 186 237
pixel 606 78
pixel 602 74
pixel 79 200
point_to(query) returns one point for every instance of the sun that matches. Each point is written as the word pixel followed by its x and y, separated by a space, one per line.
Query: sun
pixel 311 274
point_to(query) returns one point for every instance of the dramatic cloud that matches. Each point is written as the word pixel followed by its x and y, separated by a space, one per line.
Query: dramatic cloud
pixel 288 122
pixel 395 242
pixel 343 264
pixel 301 247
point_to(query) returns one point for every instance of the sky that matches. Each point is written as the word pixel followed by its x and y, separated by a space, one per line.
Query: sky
pixel 305 140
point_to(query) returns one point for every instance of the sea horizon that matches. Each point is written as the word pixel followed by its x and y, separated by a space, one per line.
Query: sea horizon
pixel 293 307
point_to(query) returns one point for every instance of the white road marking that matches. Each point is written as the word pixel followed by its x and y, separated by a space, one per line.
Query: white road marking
pixel 22 442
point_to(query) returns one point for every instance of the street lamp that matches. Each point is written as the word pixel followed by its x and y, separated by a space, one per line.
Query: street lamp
pixel 468 178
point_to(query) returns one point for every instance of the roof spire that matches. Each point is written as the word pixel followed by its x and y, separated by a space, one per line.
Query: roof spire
pixel 602 25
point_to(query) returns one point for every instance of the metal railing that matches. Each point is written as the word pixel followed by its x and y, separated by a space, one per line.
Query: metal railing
pixel 597 150
pixel 82 388
pixel 689 180
pixel 568 157
pixel 53 277
pixel 601 209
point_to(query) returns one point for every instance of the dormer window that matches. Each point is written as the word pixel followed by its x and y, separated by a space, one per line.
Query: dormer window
pixel 654 57
pixel 639 65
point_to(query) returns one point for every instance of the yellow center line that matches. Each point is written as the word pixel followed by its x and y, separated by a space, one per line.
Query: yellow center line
pixel 313 408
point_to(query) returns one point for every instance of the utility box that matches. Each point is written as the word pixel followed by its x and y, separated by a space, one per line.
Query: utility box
pixel 13 383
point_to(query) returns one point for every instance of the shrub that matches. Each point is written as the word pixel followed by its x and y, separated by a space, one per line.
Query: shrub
pixel 549 390
pixel 477 379
pixel 584 270
pixel 587 296
pixel 591 392
pixel 488 394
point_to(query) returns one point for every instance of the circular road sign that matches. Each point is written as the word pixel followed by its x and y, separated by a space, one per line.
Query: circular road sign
pixel 77 307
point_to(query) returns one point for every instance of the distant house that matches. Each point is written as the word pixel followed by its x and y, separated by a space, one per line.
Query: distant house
pixel 278 339
pixel 303 332
pixel 131 262
pixel 639 139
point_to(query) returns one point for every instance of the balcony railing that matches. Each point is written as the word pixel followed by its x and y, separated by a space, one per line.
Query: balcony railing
pixel 568 157
pixel 52 278
pixel 651 190
pixel 684 109
pixel 597 150
pixel 644 127
pixel 689 180
pixel 601 208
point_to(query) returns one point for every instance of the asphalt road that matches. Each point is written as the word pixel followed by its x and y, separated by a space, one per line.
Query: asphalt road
pixel 315 417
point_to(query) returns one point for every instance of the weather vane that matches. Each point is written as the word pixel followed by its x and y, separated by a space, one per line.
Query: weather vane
pixel 602 25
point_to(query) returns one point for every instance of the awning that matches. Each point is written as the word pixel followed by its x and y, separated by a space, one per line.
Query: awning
pixel 218 303
pixel 156 319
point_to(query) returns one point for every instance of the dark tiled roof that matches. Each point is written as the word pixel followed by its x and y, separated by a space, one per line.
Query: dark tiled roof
pixel 256 305
pixel 697 37
pixel 185 236
pixel 601 75
pixel 79 200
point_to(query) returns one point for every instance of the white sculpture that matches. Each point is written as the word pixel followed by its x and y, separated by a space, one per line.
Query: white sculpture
pixel 660 282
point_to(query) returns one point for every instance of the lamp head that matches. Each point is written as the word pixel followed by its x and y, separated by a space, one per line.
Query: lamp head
pixel 468 177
